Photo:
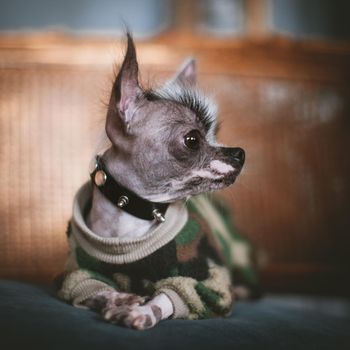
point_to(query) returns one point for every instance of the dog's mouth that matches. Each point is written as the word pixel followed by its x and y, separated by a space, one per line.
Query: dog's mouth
pixel 198 185
pixel 221 181
pixel 195 184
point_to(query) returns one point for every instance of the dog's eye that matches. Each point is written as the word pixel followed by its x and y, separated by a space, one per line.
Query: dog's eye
pixel 192 139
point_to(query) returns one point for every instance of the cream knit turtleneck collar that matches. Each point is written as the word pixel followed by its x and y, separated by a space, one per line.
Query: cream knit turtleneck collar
pixel 115 251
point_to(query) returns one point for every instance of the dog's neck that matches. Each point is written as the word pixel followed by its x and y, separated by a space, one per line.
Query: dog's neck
pixel 107 220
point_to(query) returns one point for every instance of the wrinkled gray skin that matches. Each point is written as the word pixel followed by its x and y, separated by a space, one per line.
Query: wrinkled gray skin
pixel 149 156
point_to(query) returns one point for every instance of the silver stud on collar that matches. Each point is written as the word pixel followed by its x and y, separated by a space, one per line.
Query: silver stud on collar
pixel 122 201
pixel 100 178
pixel 158 215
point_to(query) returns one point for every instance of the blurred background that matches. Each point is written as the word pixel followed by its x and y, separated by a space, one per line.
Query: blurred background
pixel 280 70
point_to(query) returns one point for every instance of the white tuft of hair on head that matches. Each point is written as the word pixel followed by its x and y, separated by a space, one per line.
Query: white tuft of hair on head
pixel 195 100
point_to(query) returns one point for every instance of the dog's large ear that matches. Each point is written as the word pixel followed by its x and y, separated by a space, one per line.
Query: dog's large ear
pixel 187 74
pixel 126 90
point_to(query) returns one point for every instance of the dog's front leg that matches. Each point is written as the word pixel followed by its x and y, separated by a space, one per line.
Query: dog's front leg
pixel 130 310
pixel 107 302
pixel 144 316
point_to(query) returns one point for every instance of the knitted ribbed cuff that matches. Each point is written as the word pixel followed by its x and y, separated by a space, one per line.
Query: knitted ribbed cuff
pixel 180 308
pixel 88 289
pixel 79 286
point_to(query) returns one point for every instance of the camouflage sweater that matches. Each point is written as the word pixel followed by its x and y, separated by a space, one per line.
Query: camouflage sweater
pixel 195 257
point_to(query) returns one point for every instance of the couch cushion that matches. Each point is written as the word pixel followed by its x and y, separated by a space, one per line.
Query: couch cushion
pixel 31 315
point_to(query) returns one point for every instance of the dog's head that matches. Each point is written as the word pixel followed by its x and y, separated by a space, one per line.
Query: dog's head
pixel 163 141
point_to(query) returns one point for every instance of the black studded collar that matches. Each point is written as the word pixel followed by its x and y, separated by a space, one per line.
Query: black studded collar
pixel 124 198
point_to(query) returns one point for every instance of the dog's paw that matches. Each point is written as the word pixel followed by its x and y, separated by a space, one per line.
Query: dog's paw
pixel 108 300
pixel 137 316
pixel 116 299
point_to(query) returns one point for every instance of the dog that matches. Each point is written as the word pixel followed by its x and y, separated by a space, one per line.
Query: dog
pixel 143 246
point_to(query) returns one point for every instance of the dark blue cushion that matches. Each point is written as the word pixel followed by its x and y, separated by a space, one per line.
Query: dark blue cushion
pixel 32 316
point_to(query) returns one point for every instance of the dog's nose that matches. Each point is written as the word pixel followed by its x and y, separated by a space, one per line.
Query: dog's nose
pixel 238 155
